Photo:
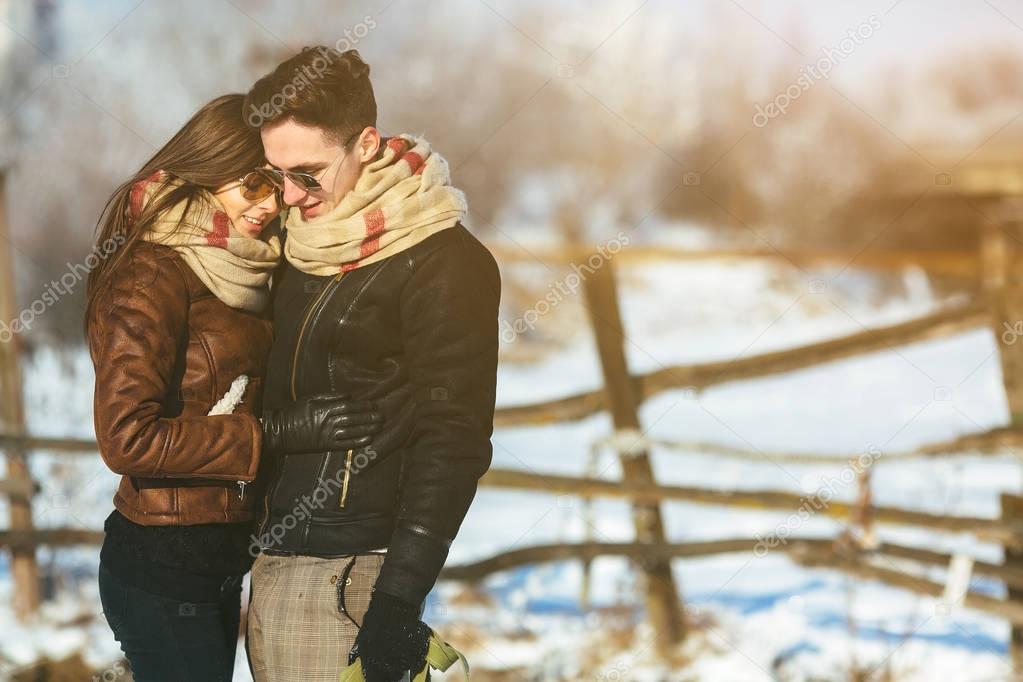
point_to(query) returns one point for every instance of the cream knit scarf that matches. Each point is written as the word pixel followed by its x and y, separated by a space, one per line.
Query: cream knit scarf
pixel 235 268
pixel 401 198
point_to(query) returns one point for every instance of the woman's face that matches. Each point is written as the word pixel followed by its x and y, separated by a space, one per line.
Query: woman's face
pixel 248 217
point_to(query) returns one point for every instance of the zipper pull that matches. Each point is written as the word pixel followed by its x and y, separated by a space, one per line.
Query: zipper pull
pixel 241 489
pixel 344 485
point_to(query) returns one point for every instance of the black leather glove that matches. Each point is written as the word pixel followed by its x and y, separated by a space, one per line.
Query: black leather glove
pixel 392 639
pixel 320 423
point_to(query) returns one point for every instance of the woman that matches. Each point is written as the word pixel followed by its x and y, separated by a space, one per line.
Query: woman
pixel 178 331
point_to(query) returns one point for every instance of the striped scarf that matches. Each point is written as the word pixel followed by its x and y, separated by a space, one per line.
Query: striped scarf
pixel 400 199
pixel 236 269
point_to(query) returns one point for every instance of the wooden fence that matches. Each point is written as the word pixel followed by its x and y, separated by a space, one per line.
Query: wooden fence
pixel 853 552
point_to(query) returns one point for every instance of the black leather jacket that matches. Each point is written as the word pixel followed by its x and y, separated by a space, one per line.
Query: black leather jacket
pixel 417 333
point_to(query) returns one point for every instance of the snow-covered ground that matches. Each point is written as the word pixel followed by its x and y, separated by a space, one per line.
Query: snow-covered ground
pixel 759 618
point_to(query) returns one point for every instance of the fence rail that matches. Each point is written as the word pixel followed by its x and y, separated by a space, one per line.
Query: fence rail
pixel 944 262
pixel 941 324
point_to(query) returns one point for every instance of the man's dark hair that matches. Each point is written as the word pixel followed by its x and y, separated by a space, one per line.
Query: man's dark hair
pixel 319 87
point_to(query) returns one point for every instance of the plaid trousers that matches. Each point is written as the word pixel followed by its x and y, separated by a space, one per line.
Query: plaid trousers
pixel 304 614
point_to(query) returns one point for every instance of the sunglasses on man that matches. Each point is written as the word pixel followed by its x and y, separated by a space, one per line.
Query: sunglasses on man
pixel 254 184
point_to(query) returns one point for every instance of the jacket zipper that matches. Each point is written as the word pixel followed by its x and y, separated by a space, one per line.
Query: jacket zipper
pixel 294 371
pixel 301 332
pixel 344 485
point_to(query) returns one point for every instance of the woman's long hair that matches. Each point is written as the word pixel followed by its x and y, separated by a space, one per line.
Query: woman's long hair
pixel 215 147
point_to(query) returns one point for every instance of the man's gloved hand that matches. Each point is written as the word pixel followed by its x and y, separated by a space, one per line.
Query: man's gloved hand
pixel 319 423
pixel 391 640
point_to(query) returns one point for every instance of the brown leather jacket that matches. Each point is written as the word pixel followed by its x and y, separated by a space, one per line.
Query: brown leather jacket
pixel 165 351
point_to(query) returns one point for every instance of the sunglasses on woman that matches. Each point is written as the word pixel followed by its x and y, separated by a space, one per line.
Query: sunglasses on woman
pixel 257 185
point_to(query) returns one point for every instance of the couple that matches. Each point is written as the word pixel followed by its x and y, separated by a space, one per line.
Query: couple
pixel 310 398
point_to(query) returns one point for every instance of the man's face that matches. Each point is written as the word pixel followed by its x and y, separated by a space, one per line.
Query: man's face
pixel 294 147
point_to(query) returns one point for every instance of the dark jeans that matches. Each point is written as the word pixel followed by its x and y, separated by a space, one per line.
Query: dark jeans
pixel 168 640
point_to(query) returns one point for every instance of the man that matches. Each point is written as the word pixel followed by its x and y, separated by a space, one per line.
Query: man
pixel 386 297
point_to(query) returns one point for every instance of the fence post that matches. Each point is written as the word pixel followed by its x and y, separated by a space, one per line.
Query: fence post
pixel 863 515
pixel 663 601
pixel 1012 512
pixel 24 569
pixel 999 266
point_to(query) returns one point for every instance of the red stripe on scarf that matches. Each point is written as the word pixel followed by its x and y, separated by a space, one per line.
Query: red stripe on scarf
pixel 397 145
pixel 221 230
pixel 375 224
pixel 415 162
pixel 137 196
pixel 374 228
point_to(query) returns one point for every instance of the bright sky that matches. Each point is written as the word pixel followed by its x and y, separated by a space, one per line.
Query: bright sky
pixel 911 31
